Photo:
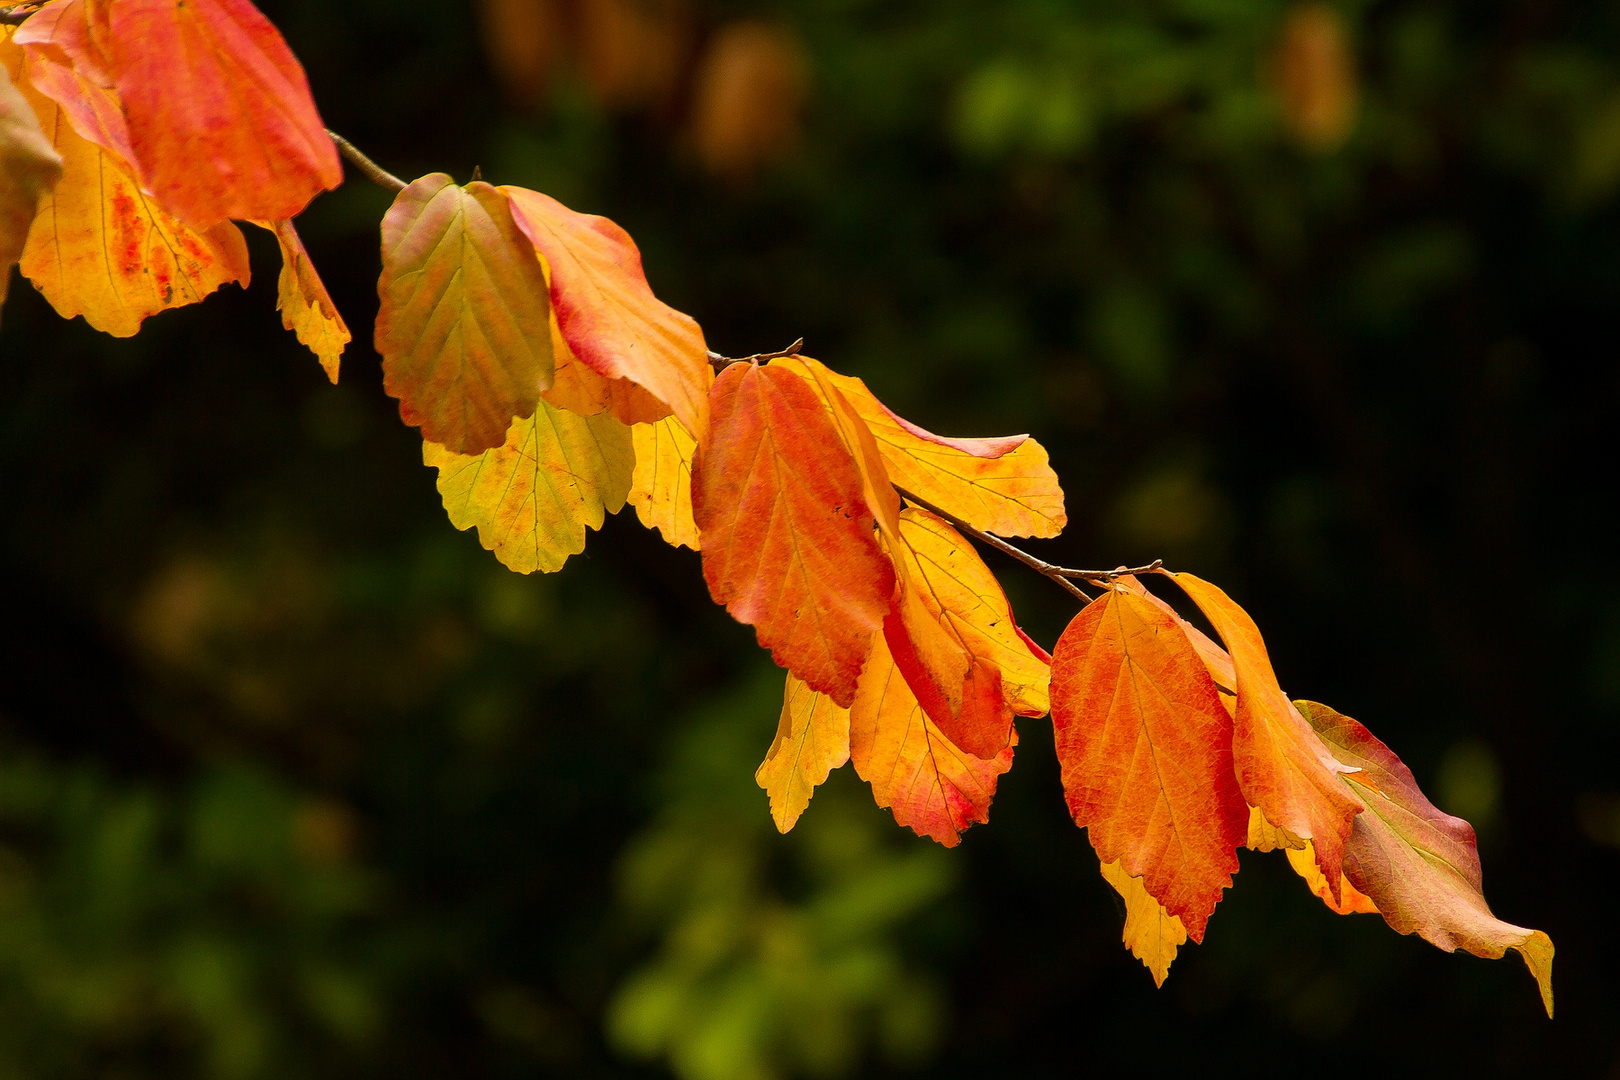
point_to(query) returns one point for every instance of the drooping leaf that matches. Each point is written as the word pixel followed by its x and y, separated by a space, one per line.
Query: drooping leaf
pixel 1282 766
pixel 1003 486
pixel 221 122
pixel 533 497
pixel 306 307
pixel 608 313
pixel 1419 865
pixel 1152 934
pixel 1145 748
pixel 662 489
pixel 465 324
pixel 1350 901
pixel 933 786
pixel 102 248
pixel 812 739
pixel 29 168
pixel 788 540
pixel 66 44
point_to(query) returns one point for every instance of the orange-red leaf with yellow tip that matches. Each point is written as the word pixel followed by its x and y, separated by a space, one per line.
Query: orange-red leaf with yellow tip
pixel 221 122
pixel 465 324
pixel 1145 748
pixel 1282 766
pixel 1419 865
pixel 934 787
pixel 608 313
pixel 306 307
pixel 788 540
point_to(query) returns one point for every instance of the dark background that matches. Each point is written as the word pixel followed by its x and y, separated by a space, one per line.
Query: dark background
pixel 296 780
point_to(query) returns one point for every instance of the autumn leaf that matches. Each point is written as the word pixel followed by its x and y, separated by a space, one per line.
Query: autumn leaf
pixel 465 324
pixel 812 739
pixel 1350 900
pixel 788 540
pixel 608 313
pixel 662 489
pixel 306 308
pixel 1003 486
pixel 1282 767
pixel 935 788
pixel 1418 865
pixel 579 389
pixel 102 248
pixel 1264 836
pixel 532 497
pixel 66 44
pixel 29 168
pixel 1152 934
pixel 221 122
pixel 1145 748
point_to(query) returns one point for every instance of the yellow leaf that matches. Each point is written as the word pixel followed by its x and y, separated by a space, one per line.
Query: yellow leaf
pixel 661 491
pixel 1264 836
pixel 1151 933
pixel 1351 900
pixel 812 739
pixel 306 308
pixel 102 248
pixel 533 497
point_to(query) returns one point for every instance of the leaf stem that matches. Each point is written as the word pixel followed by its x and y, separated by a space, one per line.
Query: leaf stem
pixel 720 363
pixel 368 168
pixel 1040 566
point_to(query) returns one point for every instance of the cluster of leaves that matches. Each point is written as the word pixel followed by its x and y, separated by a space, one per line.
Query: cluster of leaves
pixel 551 387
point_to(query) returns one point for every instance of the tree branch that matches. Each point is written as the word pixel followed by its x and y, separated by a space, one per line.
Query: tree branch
pixel 1040 566
pixel 720 363
pixel 368 168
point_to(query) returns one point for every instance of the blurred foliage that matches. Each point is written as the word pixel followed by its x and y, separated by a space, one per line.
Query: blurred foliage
pixel 1317 300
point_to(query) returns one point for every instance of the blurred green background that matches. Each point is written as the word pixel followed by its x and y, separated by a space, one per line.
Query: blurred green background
pixel 1317 301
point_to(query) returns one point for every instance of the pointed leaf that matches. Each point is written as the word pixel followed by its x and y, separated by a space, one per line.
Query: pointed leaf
pixel 1350 901
pixel 221 121
pixel 102 248
pixel 662 489
pixel 1145 747
pixel 1151 933
pixel 68 63
pixel 1282 767
pixel 306 307
pixel 934 787
pixel 812 739
pixel 608 312
pixel 1003 486
pixel 1420 866
pixel 465 324
pixel 29 168
pixel 788 541
pixel 532 497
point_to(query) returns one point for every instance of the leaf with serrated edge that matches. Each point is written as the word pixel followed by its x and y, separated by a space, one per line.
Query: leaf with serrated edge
pixel 102 248
pixel 465 324
pixel 1152 934
pixel 608 312
pixel 1282 767
pixel 1003 486
pixel 306 307
pixel 1419 865
pixel 788 540
pixel 533 497
pixel 933 787
pixel 221 122
pixel 812 739
pixel 662 489
pixel 29 168
pixel 1145 748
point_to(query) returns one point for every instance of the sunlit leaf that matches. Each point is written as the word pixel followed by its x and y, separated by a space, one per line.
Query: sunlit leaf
pixel 1350 900
pixel 29 168
pixel 306 308
pixel 66 44
pixel 662 490
pixel 1151 933
pixel 465 324
pixel 812 739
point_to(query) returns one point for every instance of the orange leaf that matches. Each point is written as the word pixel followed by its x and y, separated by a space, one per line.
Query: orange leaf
pixel 934 787
pixel 1418 865
pixel 465 324
pixel 1351 900
pixel 221 121
pixel 68 63
pixel 1282 767
pixel 581 390
pixel 608 313
pixel 662 489
pixel 306 308
pixel 1145 747
pixel 29 168
pixel 1151 933
pixel 102 248
pixel 788 541
pixel 1002 486
pixel 812 739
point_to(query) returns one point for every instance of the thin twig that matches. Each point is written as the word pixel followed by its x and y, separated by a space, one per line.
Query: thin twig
pixel 1040 566
pixel 368 168
pixel 1110 576
pixel 720 363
